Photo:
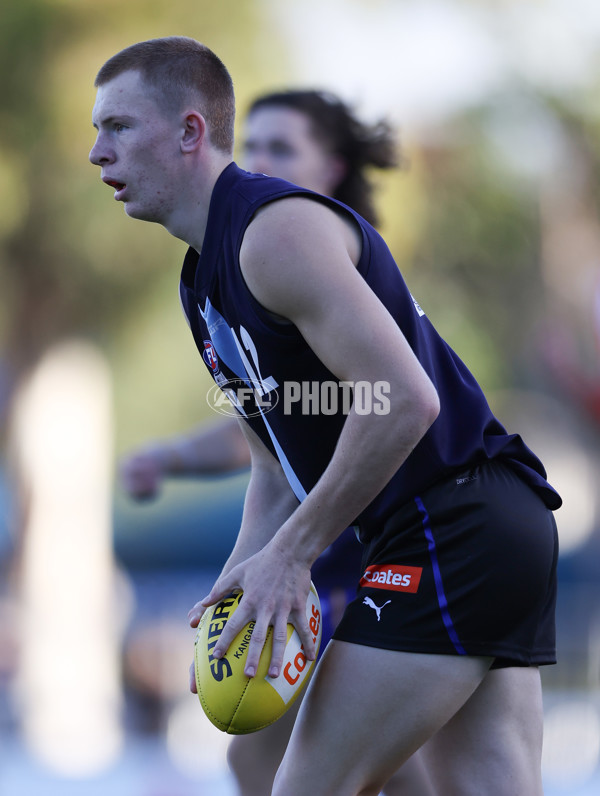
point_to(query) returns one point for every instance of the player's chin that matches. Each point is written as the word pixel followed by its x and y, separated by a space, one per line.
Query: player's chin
pixel 140 213
pixel 131 210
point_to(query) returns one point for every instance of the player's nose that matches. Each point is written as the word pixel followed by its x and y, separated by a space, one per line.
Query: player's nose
pixel 100 155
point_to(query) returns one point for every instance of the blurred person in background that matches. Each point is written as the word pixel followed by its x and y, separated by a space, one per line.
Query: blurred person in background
pixel 312 139
pixel 438 488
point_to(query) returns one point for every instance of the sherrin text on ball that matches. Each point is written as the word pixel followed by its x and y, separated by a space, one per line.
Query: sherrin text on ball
pixel 238 704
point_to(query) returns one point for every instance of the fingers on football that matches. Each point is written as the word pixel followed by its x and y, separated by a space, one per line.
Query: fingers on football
pixel 257 642
pixel 279 644
pixel 195 614
pixel 234 625
pixel 218 591
pixel 307 637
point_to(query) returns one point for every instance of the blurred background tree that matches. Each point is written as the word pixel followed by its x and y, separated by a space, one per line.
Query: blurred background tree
pixel 463 222
pixel 71 263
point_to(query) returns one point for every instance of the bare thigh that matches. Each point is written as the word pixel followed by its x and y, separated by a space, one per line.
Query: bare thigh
pixel 496 736
pixel 255 758
pixel 411 779
pixel 366 711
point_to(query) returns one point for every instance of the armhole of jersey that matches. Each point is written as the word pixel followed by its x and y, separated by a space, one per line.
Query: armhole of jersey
pixel 270 319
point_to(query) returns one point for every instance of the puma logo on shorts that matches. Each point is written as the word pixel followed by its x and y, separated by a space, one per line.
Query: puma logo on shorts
pixel 377 608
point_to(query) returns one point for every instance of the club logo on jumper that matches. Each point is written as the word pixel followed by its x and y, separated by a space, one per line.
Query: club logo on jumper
pixel 209 355
pixel 393 577
pixel 377 608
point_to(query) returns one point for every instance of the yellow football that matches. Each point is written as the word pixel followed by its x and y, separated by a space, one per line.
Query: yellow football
pixel 238 704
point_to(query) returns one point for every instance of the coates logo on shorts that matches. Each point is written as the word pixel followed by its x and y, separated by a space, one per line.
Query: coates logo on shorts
pixel 392 577
pixel 235 397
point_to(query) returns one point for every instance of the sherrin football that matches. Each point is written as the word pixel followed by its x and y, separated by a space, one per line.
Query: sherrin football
pixel 238 704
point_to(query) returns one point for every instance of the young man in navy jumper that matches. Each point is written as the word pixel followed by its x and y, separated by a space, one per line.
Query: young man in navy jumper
pixel 286 290
pixel 313 139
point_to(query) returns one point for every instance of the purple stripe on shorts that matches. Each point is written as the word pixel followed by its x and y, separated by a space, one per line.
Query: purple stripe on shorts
pixel 437 576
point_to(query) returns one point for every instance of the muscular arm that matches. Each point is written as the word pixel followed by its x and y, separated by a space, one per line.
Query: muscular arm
pixel 311 279
pixel 299 260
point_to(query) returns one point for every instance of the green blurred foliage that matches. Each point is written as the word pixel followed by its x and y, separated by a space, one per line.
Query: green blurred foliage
pixel 71 262
pixel 481 248
pixel 464 230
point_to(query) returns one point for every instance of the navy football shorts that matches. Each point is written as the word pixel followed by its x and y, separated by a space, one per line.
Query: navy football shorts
pixel 466 568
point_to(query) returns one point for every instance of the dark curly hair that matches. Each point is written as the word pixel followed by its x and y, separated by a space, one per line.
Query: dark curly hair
pixel 360 145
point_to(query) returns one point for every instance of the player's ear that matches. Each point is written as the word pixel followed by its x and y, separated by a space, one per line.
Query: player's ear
pixel 193 131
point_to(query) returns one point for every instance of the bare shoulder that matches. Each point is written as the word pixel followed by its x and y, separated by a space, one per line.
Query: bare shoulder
pixel 287 222
pixel 294 246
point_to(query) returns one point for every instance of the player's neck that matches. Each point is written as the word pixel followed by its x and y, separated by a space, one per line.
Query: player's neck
pixel 188 222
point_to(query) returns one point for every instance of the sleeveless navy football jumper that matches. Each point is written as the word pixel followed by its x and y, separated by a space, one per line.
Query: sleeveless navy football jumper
pixel 267 370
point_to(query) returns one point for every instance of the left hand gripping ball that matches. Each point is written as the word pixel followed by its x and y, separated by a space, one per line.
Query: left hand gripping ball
pixel 238 704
